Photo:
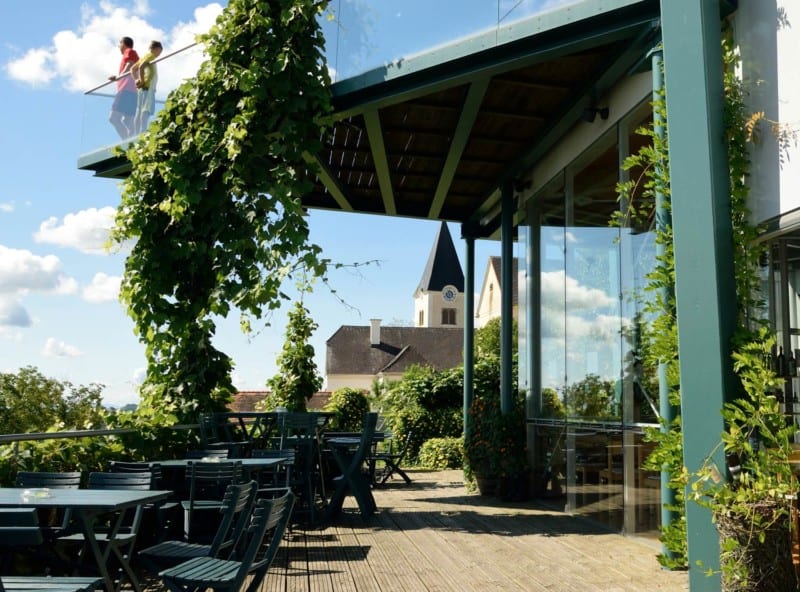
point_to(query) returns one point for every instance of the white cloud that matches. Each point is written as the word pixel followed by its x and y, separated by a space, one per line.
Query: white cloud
pixel 22 271
pixel 84 58
pixel 104 288
pixel 13 314
pixel 66 286
pixel 58 349
pixel 556 286
pixel 87 230
pixel 7 207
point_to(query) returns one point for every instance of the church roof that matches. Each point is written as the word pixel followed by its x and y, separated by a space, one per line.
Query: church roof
pixel 349 350
pixel 443 267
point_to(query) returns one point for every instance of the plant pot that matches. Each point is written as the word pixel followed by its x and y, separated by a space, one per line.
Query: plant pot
pixel 768 564
pixel 486 485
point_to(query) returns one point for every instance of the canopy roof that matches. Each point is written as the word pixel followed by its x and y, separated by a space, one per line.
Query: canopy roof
pixel 438 135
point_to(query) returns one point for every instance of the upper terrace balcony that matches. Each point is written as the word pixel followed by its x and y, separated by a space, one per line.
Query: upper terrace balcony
pixel 440 105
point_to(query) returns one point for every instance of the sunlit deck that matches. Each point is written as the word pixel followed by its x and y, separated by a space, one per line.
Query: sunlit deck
pixel 433 535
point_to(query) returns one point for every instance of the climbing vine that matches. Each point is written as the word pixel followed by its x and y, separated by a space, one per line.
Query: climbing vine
pixel 298 378
pixel 212 203
pixel 651 167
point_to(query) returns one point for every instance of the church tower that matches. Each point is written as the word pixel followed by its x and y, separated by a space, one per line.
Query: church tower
pixel 439 298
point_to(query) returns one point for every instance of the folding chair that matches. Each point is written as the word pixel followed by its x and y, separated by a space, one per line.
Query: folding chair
pixel 117 538
pixel 20 527
pixel 166 512
pixel 392 461
pixel 54 522
pixel 229 575
pixel 207 484
pixel 235 513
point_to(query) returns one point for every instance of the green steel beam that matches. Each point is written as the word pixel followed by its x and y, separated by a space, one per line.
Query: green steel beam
pixel 704 287
pixel 526 42
pixel 330 181
pixel 506 298
pixel 469 111
pixel 372 121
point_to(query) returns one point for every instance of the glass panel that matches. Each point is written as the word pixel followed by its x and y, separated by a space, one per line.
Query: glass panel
pixel 552 285
pixel 593 321
pixel 363 34
pixel 592 288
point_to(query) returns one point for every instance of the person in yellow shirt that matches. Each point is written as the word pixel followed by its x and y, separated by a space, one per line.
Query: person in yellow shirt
pixel 145 75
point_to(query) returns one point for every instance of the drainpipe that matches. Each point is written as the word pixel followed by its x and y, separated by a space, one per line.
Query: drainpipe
pixel 469 324
pixel 663 221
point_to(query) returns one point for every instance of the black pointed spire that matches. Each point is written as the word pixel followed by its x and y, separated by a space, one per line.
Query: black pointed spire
pixel 443 267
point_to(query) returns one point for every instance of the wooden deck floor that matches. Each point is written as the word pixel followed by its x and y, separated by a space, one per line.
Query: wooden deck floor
pixel 434 536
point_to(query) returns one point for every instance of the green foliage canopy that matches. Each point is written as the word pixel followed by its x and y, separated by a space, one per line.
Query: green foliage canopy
pixel 213 198
pixel 31 402
pixel 297 379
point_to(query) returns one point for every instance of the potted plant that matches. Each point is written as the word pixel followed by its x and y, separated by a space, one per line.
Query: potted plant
pixel 495 447
pixel 751 498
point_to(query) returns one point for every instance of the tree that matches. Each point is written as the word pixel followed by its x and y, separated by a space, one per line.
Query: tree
pixel 297 379
pixel 487 338
pixel 31 402
pixel 213 198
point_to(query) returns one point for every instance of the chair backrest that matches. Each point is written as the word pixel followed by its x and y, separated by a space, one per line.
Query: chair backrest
pixel 367 434
pixel 20 526
pixel 63 480
pixel 98 480
pixel 237 505
pixel 209 480
pixel 153 469
pixel 401 454
pixel 269 516
pixel 132 516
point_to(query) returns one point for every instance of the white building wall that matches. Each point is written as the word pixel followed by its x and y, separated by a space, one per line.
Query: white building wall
pixel 359 381
pixel 431 304
pixel 769 48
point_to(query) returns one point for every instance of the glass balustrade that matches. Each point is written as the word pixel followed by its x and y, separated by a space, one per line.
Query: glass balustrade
pixel 360 35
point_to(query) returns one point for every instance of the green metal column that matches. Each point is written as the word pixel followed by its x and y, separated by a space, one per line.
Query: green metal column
pixel 704 287
pixel 469 325
pixel 506 297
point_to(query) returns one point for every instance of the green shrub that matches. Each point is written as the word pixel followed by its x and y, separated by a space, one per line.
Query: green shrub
pixel 442 453
pixel 349 404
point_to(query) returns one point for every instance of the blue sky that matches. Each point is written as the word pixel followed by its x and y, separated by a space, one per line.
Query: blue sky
pixel 58 288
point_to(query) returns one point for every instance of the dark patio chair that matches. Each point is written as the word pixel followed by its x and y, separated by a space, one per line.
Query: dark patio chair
pixel 230 575
pixel 208 482
pixel 20 527
pixel 121 542
pixel 235 513
pixel 53 522
pixel 300 433
pixel 167 513
pixel 392 461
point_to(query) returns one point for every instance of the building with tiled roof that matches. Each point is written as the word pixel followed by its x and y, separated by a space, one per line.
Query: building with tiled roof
pixel 246 401
pixel 357 356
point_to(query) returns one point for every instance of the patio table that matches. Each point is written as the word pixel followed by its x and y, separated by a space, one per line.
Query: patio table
pixel 86 505
pixel 349 454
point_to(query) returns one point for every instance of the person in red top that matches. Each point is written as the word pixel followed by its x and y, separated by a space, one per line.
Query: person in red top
pixel 123 111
